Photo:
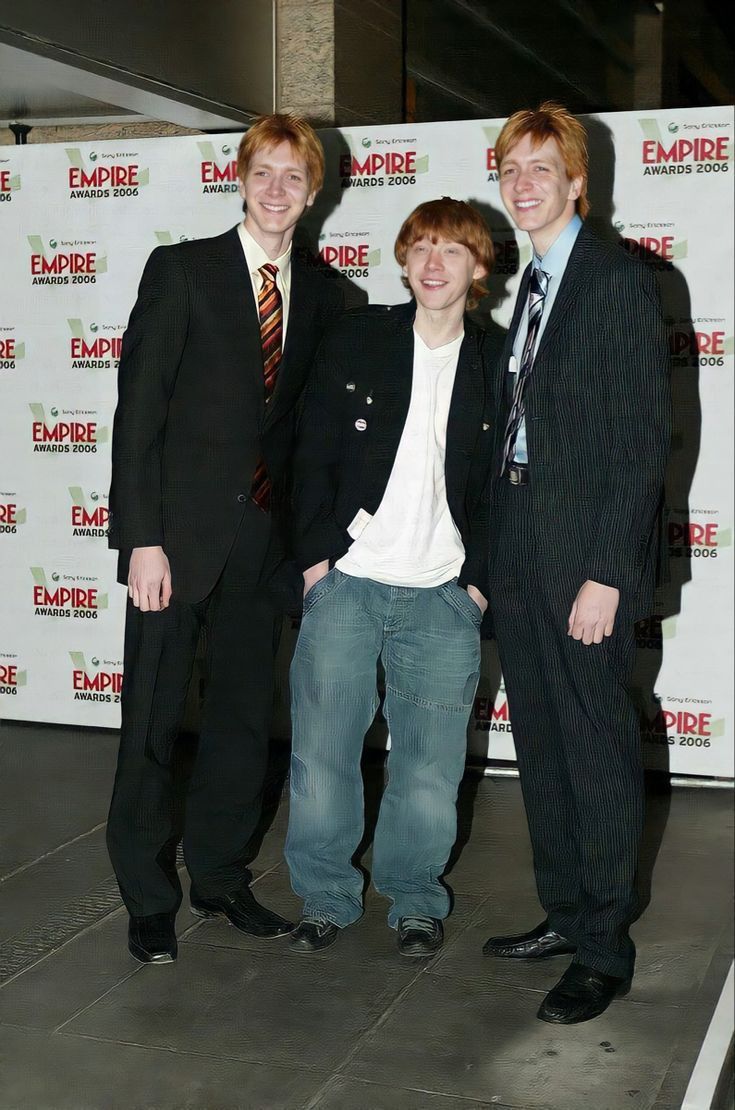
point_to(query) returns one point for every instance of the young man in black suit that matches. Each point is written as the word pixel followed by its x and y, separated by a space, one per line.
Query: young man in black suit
pixel 213 363
pixel 388 481
pixel 581 451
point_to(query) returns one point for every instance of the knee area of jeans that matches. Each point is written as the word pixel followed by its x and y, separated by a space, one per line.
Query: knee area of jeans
pixel 320 780
pixel 443 700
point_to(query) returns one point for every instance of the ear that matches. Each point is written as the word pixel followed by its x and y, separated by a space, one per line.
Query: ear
pixel 575 188
pixel 241 188
pixel 310 199
pixel 479 272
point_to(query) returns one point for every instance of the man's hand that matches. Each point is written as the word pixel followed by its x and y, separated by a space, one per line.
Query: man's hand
pixel 479 599
pixel 149 579
pixel 313 574
pixel 593 613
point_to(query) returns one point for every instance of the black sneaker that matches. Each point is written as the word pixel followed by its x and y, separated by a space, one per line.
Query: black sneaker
pixel 420 937
pixel 311 935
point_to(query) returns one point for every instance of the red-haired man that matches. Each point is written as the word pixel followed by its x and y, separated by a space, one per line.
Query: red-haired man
pixel 581 450
pixel 213 363
pixel 390 530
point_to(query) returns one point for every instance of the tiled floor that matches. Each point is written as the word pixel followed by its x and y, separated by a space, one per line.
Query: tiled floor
pixel 241 1025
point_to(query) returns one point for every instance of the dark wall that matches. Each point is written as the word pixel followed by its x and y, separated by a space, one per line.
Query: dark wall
pixel 218 49
pixel 480 58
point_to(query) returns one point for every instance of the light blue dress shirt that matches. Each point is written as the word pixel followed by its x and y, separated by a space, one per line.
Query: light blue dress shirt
pixel 554 263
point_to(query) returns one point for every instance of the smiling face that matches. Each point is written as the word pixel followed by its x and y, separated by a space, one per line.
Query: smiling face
pixel 440 274
pixel 276 190
pixel 536 190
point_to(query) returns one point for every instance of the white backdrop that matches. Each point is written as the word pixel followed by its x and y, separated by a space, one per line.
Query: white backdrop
pixel 77 224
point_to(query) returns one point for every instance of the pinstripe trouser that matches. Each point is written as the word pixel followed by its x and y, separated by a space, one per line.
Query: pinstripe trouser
pixel 577 740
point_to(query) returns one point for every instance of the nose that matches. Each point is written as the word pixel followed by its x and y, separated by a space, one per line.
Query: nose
pixel 276 184
pixel 523 180
pixel 435 261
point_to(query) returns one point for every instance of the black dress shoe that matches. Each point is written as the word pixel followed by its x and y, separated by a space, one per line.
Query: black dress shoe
pixel 152 940
pixel 539 944
pixel 581 994
pixel 419 937
pixel 311 935
pixel 243 911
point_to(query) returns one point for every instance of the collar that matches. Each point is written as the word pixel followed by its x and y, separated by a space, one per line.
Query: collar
pixel 555 260
pixel 256 257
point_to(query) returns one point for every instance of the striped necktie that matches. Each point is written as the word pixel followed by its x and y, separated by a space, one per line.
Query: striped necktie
pixel 537 290
pixel 270 311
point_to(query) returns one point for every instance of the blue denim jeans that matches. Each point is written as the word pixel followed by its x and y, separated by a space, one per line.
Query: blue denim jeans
pixel 429 640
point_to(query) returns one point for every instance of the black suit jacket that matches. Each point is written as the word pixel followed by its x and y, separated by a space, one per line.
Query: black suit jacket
pixel 191 420
pixel 598 421
pixel 340 469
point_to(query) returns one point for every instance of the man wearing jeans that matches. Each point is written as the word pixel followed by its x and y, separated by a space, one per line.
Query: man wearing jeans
pixel 389 472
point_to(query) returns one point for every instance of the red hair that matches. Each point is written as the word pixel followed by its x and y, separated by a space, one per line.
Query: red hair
pixel 550 121
pixel 456 222
pixel 270 131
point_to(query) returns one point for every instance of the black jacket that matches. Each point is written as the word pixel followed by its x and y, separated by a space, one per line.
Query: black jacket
pixel 340 469
pixel 191 420
pixel 598 422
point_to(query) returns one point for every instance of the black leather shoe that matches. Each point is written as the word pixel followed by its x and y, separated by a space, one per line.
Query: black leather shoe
pixel 243 911
pixel 539 944
pixel 582 993
pixel 152 940
pixel 311 936
pixel 420 937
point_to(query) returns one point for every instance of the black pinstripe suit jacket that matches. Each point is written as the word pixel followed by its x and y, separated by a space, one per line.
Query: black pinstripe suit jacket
pixel 598 416
pixel 191 420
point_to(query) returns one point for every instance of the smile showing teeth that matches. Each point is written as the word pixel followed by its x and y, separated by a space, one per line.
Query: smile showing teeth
pixel 275 207
pixel 433 284
pixel 527 203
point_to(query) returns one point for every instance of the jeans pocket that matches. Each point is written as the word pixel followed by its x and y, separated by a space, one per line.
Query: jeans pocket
pixel 320 590
pixel 460 600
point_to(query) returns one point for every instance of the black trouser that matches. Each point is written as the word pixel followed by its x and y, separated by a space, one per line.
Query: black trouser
pixel 577 740
pixel 224 794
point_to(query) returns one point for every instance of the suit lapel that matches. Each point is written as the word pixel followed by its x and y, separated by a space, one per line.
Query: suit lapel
pixel 232 291
pixel 394 381
pixel 571 289
pixel 466 410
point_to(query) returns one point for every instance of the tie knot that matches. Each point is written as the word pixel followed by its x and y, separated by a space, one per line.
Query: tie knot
pixel 539 282
pixel 269 272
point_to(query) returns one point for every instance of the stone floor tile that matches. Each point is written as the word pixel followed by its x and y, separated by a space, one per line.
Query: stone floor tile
pixel 265 1007
pixel 62 1072
pixel 488 1045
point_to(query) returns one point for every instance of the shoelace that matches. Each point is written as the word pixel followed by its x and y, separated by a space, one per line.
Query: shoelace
pixel 421 924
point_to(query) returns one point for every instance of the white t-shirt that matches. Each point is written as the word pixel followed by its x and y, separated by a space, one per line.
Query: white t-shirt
pixel 412 540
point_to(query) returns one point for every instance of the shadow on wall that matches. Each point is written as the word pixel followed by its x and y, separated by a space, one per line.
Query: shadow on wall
pixel 657 246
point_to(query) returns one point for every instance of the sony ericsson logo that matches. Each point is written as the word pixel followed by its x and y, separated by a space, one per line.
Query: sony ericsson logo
pixel 74 433
pixel 379 168
pixel 65 596
pixel 94 680
pixel 217 168
pixel 11 676
pixel 9 184
pixel 12 516
pixel 89 517
pixel 354 258
pixel 64 263
pixel 661 155
pixel 98 350
pixel 12 350
pixel 119 176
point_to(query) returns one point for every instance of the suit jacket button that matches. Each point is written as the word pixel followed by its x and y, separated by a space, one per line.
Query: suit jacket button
pixel 242 497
